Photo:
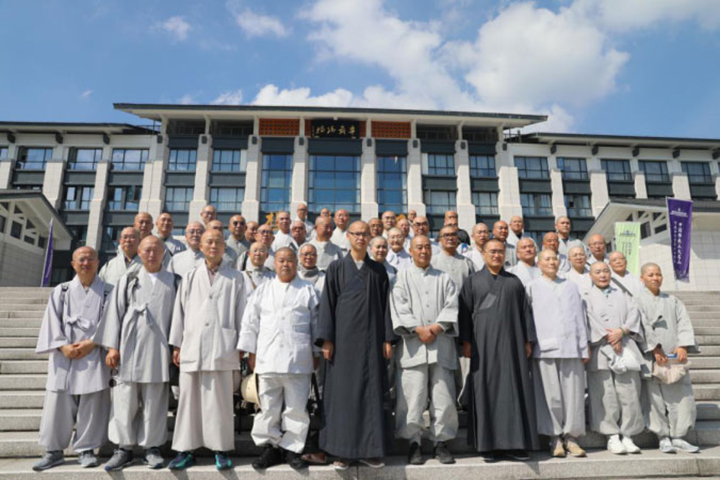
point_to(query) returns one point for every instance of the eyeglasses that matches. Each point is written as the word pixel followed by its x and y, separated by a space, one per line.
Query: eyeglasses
pixel 265 232
pixel 238 223
pixel 359 234
pixel 421 224
pixel 499 253
pixel 449 235
pixel 195 231
pixel 308 254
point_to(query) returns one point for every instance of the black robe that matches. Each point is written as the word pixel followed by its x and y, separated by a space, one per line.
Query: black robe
pixel 496 318
pixel 354 315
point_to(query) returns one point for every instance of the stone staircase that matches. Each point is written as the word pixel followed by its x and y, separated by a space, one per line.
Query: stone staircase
pixel 22 387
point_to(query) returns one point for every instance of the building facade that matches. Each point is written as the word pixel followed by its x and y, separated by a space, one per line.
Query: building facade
pixel 258 160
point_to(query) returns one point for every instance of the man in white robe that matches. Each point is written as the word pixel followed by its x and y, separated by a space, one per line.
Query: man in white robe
pixel 613 372
pixel 229 257
pixel 389 220
pixel 626 281
pixel 204 333
pixel 298 232
pixel 208 214
pixel 525 269
pixel 302 216
pixel 342 218
pixel 378 251
pixel 134 330
pixel 265 236
pixel 77 395
pixel 669 408
pixel 165 226
pixel 404 225
pixel 256 273
pixel 516 226
pixel 424 306
pixel 598 249
pixel 237 241
pixel 187 260
pixel 558 356
pixel 500 232
pixel 126 259
pixel 448 260
pixel 376 227
pixel 143 223
pixel 566 242
pixel 480 235
pixel 283 238
pixel 308 270
pixel 551 241
pixel 327 250
pixel 579 273
pixel 421 226
pixel 278 331
pixel 397 256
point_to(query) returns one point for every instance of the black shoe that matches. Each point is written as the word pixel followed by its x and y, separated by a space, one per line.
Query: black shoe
pixel 270 457
pixel 519 455
pixel 442 453
pixel 295 460
pixel 491 457
pixel 415 455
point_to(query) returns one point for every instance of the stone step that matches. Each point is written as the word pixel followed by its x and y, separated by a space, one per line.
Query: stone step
pixel 22 314
pixel 707 330
pixel 706 392
pixel 706 322
pixel 707 339
pixel 21 354
pixel 35 306
pixel 22 399
pixel 18 342
pixel 707 351
pixel 20 322
pixel 20 297
pixel 704 363
pixel 695 316
pixel 19 332
pixel 16 367
pixel 698 376
pixel 23 382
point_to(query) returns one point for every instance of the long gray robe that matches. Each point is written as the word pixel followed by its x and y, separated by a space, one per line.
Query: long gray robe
pixel 526 273
pixel 115 268
pixel 77 390
pixel 327 252
pixel 582 280
pixel 457 266
pixel 172 248
pixel 629 283
pixel 566 244
pixel 185 261
pixel 495 317
pixel 354 315
pixel 400 260
pixel 256 276
pixel 669 409
pixel 239 247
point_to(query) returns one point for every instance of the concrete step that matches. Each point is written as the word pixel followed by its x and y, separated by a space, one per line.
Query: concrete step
pixel 22 399
pixel 23 382
pixel 35 306
pixel 704 363
pixel 16 367
pixel 706 322
pixel 21 354
pixel 706 392
pixel 18 342
pixel 707 330
pixel 19 332
pixel 22 314
pixel 698 376
pixel 11 302
pixel 708 410
pixel 20 322
pixel 707 339
pixel 695 316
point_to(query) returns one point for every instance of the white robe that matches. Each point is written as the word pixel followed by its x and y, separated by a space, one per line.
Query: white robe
pixel 314 276
pixel 115 268
pixel 582 281
pixel 281 240
pixel 400 260
pixel 457 266
pixel 632 284
pixel 476 257
pixel 172 248
pixel 339 238
pixel 243 261
pixel 186 261
pixel 565 245
pixel 239 247
pixel 254 277
pixel 526 273
pixel 327 252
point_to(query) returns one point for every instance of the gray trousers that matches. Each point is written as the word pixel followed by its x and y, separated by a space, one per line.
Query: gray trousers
pixel 139 414
pixel 63 411
pixel 669 409
pixel 205 412
pixel 615 403
pixel 283 420
pixel 416 387
pixel 560 396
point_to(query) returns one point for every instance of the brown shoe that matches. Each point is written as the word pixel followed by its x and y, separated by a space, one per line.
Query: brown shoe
pixel 317 458
pixel 573 448
pixel 556 448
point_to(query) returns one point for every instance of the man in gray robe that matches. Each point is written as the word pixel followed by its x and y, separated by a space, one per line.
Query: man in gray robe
pixel 558 356
pixel 204 333
pixel 278 327
pixel 448 260
pixel 229 257
pixel 421 226
pixel 342 218
pixel 566 242
pixel 165 226
pixel 622 278
pixel 326 249
pixel 283 238
pixel 525 269
pixel 237 241
pixel 77 392
pixel 298 232
pixel 579 273
pixel 424 306
pixel 389 220
pixel 186 261
pixel 613 372
pixel 404 225
pixel 480 235
pixel 397 256
pixel 307 270
pixel 500 232
pixel 208 214
pixel 551 241
pixel 265 236
pixel 302 216
pixel 598 249
pixel 669 408
pixel 126 259
pixel 516 226
pixel 378 250
pixel 134 330
pixel 251 232
pixel 256 273
pixel 143 223
pixel 376 227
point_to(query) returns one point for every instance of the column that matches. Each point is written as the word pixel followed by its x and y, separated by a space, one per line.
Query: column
pixel 681 186
pixel 368 180
pixel 465 206
pixel 301 163
pixel 201 193
pixel 509 194
pixel 558 193
pixel 414 180
pixel 97 204
pixel 153 190
pixel 7 166
pixel 253 177
pixel 599 189
pixel 640 185
pixel 713 171
pixel 53 179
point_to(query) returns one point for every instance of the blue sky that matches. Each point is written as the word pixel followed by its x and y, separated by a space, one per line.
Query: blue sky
pixel 633 67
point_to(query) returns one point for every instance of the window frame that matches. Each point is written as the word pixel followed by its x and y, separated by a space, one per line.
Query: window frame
pixel 314 203
pixel 524 173
pixel 434 169
pixel 124 165
pixel 221 166
pixel 73 160
pixel 271 176
pixel 706 176
pixel 79 203
pixel 577 212
pixel 124 204
pixel 432 207
pixel 580 173
pixel 182 165
pixel 385 176
pixel 22 161
pixel 485 210
pixel 662 177
pixel 478 171
pixel 222 206
pixel 175 205
pixel 614 176
pixel 537 210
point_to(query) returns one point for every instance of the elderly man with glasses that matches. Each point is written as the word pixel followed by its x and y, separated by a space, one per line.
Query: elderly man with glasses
pixel 237 241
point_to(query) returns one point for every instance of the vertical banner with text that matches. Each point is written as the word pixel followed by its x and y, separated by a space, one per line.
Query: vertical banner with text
pixel 627 241
pixel 680 220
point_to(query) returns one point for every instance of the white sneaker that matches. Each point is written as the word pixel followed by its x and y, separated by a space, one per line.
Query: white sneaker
pixel 630 445
pixel 681 444
pixel 615 445
pixel 666 445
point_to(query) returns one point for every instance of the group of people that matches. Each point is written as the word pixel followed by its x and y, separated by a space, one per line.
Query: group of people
pixel 392 322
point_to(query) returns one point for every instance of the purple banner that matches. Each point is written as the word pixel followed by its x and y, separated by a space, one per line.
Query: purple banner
pixel 680 220
pixel 47 268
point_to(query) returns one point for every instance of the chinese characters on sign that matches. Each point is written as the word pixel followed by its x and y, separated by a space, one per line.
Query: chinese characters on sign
pixel 335 129
pixel 627 241
pixel 680 220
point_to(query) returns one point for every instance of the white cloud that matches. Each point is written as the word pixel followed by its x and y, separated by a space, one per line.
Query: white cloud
pixel 187 99
pixel 86 94
pixel 626 15
pixel 258 25
pixel 272 95
pixel 176 26
pixel 229 98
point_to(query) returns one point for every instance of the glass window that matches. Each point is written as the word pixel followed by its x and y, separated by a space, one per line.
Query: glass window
pixel 482 166
pixel 129 159
pixel 78 198
pixel 485 203
pixel 392 186
pixel 124 198
pixel 697 172
pixel 177 199
pixel 334 183
pixel 617 170
pixel 655 172
pixel 227 199
pixel 3 220
pixel 84 158
pixel 276 183
pixel 16 230
pixel 440 165
pixel 532 167
pixel 440 201
pixel 573 168
pixel 3 153
pixel 182 160
pixel 80 232
pixel 33 158
pixel 228 161
pixel 578 205
pixel 536 204
pixel 110 238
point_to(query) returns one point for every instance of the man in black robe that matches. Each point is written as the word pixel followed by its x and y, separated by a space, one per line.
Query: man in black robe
pixel 497 333
pixel 354 331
